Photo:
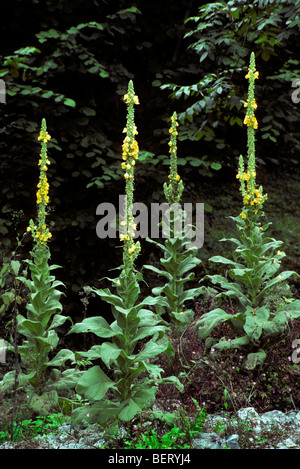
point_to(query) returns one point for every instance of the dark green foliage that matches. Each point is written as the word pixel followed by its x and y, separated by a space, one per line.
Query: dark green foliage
pixel 71 61
pixel 222 35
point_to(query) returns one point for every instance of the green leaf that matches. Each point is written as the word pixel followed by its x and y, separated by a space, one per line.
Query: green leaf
pixel 208 321
pixel 238 342
pixel 61 357
pixel 109 353
pixel 255 359
pixel 216 166
pixel 97 325
pixel 231 289
pixel 29 328
pixel 143 332
pixel 224 260
pixel 163 273
pixel 129 410
pixel 280 278
pixel 15 265
pixel 94 384
pixel 27 51
pixel 255 321
pixel 59 320
pixel 151 350
pixel 69 102
pixel 293 309
pixel 100 411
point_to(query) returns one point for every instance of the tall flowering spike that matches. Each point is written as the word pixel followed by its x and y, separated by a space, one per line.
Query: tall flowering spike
pixel 39 230
pixel 252 196
pixel 173 190
pixel 130 154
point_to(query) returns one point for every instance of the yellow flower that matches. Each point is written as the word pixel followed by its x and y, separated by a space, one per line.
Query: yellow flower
pixel 249 74
pixel 132 249
pixel 254 123
pixel 38 197
pixel 247 120
pixel 44 136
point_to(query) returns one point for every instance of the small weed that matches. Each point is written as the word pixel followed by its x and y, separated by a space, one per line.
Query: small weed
pixel 170 440
pixel 30 428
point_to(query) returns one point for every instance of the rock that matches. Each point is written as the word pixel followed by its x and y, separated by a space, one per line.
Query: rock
pixel 236 425
pixel 207 441
pixel 289 443
pixel 232 442
pixel 213 441
pixel 250 416
pixel 275 417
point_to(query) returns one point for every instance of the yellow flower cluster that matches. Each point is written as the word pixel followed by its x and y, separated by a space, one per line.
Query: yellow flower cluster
pixel 43 237
pixel 252 196
pixel 39 231
pixel 44 136
pixel 250 73
pixel 250 119
pixel 130 150
pixel 128 99
pixel 252 104
pixel 174 189
pixel 134 249
pixel 42 193
pixel 174 178
pixel 130 153
pixel 251 122
pixel 245 176
pixel 258 197
pixel 172 144
pixel 130 231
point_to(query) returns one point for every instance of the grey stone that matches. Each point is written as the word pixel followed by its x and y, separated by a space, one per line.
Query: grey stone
pixel 207 441
pixel 249 413
pixel 289 443
pixel 275 417
pixel 232 442
pixel 89 437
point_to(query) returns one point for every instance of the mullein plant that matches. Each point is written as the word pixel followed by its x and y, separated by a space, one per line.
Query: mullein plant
pixel 179 260
pixel 136 336
pixel 44 307
pixel 253 271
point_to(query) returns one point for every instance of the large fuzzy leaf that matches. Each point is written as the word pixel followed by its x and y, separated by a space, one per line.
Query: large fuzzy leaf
pixel 94 384
pixel 97 325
